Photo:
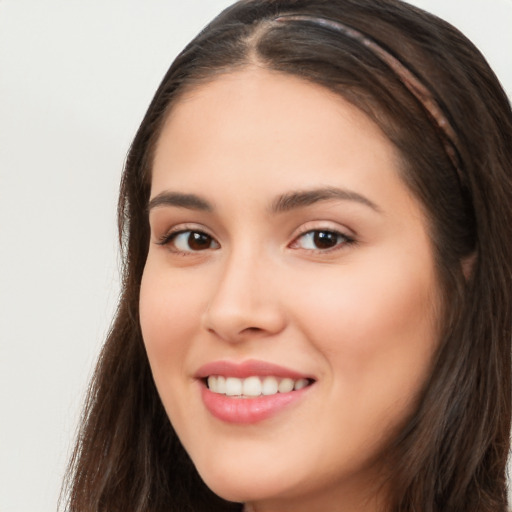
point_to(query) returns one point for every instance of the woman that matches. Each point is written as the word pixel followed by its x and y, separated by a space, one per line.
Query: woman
pixel 316 307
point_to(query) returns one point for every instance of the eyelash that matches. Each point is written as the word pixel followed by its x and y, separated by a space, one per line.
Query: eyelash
pixel 342 240
pixel 169 238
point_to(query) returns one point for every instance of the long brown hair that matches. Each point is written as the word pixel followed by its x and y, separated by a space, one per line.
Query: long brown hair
pixel 452 452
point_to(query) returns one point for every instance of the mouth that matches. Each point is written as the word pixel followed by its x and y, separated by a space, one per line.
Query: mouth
pixel 251 391
pixel 254 386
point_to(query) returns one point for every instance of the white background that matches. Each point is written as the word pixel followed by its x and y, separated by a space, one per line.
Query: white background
pixel 75 80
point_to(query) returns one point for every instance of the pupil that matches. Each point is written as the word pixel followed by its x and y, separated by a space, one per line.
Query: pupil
pixel 325 239
pixel 198 241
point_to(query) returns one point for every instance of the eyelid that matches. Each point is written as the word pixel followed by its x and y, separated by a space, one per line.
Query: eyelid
pixel 319 226
pixel 171 233
pixel 180 228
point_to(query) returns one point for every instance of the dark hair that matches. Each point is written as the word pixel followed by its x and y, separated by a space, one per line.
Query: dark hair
pixel 451 453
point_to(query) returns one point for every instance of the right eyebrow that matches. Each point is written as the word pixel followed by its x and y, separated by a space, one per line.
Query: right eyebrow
pixel 189 201
pixel 304 198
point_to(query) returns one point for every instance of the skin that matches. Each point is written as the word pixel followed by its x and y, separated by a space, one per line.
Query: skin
pixel 359 317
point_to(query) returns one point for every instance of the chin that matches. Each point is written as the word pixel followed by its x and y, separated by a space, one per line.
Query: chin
pixel 241 487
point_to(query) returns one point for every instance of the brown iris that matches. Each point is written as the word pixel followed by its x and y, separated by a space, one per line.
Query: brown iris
pixel 199 241
pixel 325 239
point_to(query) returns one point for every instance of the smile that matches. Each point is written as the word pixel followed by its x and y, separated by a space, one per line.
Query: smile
pixel 251 391
pixel 254 386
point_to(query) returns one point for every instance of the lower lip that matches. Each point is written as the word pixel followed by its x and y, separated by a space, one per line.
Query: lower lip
pixel 248 410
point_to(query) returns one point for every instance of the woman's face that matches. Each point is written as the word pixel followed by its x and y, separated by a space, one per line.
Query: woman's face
pixel 291 268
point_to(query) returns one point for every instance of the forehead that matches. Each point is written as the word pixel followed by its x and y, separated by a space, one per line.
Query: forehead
pixel 259 119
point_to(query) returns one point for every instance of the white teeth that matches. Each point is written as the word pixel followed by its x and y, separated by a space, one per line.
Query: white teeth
pixel 286 385
pixel 301 383
pixel 233 386
pixel 269 386
pixel 212 382
pixel 218 384
pixel 253 386
pixel 221 384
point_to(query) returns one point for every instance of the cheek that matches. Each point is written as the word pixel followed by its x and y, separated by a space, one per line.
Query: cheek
pixel 169 319
pixel 375 326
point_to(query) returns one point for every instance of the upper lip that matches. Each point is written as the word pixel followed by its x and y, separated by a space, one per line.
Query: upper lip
pixel 249 368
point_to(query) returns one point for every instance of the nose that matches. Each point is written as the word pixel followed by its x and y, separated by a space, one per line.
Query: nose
pixel 244 301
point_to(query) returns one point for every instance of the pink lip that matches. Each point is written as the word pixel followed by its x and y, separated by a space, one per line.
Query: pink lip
pixel 246 369
pixel 247 410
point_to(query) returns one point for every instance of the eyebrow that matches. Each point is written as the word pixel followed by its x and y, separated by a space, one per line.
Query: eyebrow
pixel 284 203
pixel 190 201
pixel 301 199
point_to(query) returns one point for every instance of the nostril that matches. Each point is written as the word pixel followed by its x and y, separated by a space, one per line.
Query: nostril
pixel 240 322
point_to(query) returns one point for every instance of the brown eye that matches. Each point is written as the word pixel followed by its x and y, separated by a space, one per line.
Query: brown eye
pixel 325 239
pixel 321 239
pixel 192 241
pixel 199 241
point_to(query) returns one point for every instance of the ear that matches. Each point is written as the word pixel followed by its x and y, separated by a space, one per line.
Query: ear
pixel 468 264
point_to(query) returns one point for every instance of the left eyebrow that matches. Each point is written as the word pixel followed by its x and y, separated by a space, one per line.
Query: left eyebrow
pixel 189 201
pixel 303 198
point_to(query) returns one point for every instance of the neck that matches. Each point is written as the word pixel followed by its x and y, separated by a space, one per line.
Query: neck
pixel 368 500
